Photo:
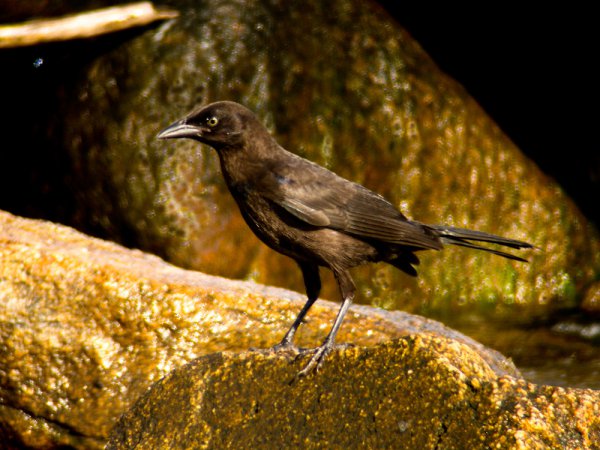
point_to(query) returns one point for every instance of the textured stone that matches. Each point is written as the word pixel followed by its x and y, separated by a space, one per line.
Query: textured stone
pixel 415 392
pixel 86 327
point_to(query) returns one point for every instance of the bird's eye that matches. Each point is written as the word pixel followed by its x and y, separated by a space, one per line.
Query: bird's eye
pixel 212 121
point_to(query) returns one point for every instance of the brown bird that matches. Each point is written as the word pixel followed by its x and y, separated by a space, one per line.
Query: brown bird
pixel 312 215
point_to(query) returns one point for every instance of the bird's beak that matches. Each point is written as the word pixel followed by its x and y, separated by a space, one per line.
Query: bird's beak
pixel 180 129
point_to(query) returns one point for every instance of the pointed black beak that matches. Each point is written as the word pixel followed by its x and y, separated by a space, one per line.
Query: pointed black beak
pixel 180 129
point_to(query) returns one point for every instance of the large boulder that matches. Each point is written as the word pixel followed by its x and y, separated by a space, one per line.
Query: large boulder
pixel 340 83
pixel 418 392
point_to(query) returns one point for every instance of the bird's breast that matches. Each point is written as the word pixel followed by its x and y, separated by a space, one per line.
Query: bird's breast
pixel 287 234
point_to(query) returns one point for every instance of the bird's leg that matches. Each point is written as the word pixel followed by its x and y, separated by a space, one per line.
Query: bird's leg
pixel 312 283
pixel 347 290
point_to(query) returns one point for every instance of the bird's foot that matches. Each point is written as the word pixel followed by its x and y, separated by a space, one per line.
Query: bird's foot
pixel 316 359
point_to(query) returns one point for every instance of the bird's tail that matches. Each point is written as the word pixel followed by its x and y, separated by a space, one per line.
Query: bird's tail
pixel 465 238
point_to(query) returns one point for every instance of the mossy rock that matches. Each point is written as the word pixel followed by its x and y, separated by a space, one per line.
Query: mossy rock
pixel 349 89
pixel 415 392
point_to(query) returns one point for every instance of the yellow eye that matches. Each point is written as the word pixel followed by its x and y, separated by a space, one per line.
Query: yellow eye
pixel 212 121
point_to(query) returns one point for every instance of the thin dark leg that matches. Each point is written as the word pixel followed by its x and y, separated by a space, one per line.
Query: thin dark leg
pixel 347 290
pixel 312 283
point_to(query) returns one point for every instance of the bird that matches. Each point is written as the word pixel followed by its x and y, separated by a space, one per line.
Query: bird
pixel 312 215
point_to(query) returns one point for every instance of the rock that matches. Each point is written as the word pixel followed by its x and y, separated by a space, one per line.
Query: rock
pixel 87 326
pixel 424 392
pixel 348 89
pixel 591 301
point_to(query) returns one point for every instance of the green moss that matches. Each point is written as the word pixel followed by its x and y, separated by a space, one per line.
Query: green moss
pixel 567 288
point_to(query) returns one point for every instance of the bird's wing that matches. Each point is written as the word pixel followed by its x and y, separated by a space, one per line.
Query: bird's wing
pixel 321 198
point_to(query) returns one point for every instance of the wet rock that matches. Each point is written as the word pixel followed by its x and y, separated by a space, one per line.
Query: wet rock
pixel 87 326
pixel 415 392
pixel 591 301
pixel 348 89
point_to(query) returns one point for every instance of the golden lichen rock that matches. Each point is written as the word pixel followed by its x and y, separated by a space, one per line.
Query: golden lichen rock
pixel 87 326
pixel 425 392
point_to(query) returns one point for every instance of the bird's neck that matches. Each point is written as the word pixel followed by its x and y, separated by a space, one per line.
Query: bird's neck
pixel 242 163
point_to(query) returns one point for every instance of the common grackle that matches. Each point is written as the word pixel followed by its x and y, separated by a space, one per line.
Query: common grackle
pixel 312 215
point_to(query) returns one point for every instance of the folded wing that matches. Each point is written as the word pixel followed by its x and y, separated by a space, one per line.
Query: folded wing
pixel 322 199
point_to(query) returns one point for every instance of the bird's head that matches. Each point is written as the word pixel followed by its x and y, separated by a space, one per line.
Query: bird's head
pixel 220 124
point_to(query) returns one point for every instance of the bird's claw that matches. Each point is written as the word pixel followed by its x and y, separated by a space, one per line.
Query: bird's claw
pixel 316 360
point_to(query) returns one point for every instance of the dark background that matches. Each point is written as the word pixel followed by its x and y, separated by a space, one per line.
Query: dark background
pixel 533 70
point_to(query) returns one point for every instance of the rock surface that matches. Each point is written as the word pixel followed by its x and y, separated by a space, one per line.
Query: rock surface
pixel 87 326
pixel 422 392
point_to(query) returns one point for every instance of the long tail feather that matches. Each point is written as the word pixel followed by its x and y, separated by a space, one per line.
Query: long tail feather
pixel 486 249
pixel 462 237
